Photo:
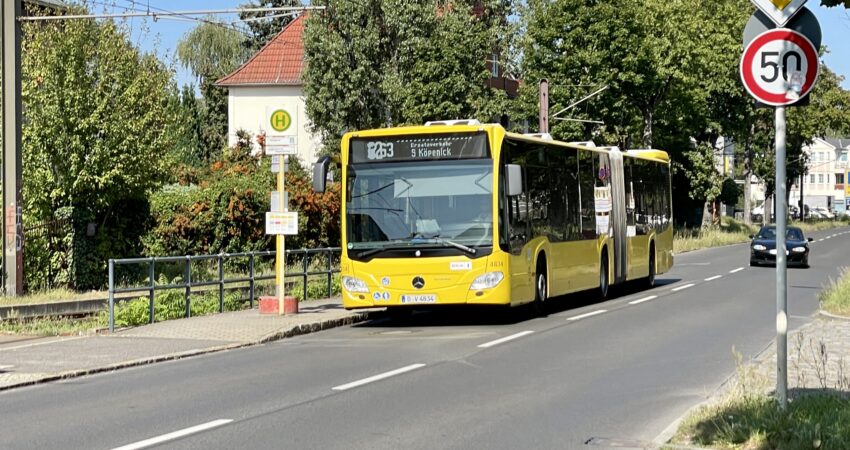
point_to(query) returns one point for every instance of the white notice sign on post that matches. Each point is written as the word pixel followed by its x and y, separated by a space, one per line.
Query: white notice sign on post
pixel 282 222
pixel 281 145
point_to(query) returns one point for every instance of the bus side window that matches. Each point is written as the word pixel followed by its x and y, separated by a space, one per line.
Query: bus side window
pixel 587 177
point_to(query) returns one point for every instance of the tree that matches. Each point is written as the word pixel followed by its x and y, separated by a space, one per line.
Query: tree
pixel 831 3
pixel 101 118
pixel 378 63
pixel 667 84
pixel 211 51
pixel 101 124
pixel 265 25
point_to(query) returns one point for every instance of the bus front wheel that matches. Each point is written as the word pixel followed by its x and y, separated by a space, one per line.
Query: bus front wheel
pixel 541 289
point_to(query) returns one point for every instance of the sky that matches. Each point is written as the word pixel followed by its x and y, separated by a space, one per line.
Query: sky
pixel 162 35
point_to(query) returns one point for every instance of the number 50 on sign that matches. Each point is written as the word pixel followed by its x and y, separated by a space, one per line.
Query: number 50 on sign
pixel 779 67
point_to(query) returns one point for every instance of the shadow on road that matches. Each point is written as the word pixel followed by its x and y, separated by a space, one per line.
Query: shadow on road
pixel 465 315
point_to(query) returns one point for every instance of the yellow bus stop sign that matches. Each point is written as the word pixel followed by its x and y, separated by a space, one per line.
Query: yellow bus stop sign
pixel 280 120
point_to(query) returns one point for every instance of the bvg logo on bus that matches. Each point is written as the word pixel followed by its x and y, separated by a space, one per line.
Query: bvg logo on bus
pixel 280 120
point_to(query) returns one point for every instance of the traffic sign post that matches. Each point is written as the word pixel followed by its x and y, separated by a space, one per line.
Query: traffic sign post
pixel 778 68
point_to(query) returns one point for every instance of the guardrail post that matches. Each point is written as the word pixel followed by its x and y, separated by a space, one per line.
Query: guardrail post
pixel 220 283
pixel 151 296
pixel 251 278
pixel 306 265
pixel 187 280
pixel 111 296
pixel 330 273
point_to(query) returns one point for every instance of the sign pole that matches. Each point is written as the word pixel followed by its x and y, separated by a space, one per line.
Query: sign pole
pixel 280 244
pixel 781 264
pixel 12 266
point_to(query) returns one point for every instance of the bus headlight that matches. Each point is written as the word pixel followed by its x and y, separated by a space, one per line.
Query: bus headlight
pixel 352 284
pixel 487 281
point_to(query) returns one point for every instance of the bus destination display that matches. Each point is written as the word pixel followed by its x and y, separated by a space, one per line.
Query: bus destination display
pixel 419 148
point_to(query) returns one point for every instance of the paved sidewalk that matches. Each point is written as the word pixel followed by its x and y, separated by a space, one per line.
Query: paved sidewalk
pixel 818 357
pixel 31 361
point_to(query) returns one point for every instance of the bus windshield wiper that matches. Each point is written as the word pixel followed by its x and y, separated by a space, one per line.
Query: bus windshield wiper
pixel 462 247
pixel 419 237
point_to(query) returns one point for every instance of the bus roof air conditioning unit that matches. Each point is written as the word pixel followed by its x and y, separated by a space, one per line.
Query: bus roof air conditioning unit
pixel 590 144
pixel 452 122
pixel 545 136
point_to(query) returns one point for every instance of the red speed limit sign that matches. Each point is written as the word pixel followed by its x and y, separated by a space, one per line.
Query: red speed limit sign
pixel 779 67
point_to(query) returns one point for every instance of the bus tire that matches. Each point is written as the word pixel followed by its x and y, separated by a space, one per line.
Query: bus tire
pixel 541 288
pixel 603 277
pixel 650 278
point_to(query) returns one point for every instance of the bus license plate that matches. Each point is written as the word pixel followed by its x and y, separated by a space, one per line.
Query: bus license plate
pixel 419 298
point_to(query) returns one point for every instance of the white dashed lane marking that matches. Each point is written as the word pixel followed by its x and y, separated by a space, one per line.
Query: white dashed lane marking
pixel 174 435
pixel 683 287
pixel 505 339
pixel 713 278
pixel 378 377
pixel 645 299
pixel 582 316
pixel 736 270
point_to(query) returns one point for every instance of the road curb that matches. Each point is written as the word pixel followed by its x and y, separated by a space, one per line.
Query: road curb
pixel 312 327
pixel 832 316
pixel 293 331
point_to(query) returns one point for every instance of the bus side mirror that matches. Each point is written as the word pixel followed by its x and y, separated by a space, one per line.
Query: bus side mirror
pixel 513 172
pixel 320 174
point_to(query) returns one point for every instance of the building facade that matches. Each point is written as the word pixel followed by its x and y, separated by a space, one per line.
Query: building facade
pixel 826 175
pixel 266 95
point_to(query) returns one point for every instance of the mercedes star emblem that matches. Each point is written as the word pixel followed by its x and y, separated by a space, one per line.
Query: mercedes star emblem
pixel 418 282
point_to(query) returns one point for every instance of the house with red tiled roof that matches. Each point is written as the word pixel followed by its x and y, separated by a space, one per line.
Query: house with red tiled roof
pixel 266 94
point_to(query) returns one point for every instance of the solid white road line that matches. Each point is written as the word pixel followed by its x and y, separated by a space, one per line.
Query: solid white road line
pixel 736 270
pixel 505 339
pixel 713 278
pixel 378 377
pixel 645 299
pixel 175 435
pixel 683 287
pixel 582 316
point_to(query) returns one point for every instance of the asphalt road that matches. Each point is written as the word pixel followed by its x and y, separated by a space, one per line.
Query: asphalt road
pixel 620 370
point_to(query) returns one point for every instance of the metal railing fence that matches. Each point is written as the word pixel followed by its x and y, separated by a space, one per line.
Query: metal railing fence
pixel 221 281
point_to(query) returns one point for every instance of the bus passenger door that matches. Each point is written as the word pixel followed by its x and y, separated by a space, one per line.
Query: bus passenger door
pixel 521 267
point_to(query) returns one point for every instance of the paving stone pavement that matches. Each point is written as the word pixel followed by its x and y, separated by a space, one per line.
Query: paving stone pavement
pixel 818 357
pixel 30 361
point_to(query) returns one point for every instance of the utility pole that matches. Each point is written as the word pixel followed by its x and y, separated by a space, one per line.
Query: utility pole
pixel 12 267
pixel 544 106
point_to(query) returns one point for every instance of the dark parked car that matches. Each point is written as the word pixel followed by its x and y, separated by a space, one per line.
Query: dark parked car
pixel 763 247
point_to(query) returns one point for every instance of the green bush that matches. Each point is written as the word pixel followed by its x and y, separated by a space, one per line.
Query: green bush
pixel 224 211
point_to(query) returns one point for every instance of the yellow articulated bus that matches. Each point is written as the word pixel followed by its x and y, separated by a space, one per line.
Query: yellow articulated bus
pixel 463 213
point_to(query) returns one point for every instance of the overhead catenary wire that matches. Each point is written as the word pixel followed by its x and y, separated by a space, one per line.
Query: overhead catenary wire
pixel 154 15
pixel 133 7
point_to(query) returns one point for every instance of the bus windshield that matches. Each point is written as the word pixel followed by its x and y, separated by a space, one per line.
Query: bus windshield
pixel 422 203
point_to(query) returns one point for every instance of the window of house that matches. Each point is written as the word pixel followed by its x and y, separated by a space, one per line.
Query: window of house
pixel 812 179
pixel 839 178
pixel 820 178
